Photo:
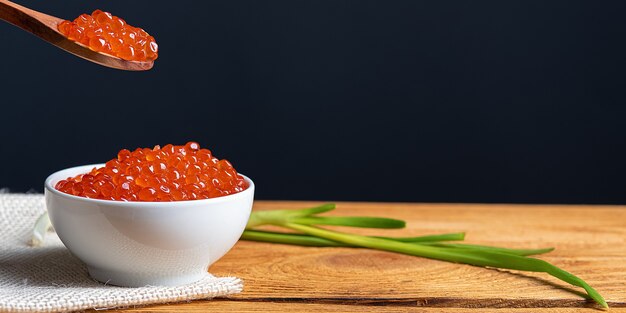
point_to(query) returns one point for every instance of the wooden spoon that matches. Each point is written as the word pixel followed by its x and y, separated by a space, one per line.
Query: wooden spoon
pixel 45 27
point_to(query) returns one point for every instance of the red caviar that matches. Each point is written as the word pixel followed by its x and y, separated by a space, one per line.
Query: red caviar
pixel 103 32
pixel 171 173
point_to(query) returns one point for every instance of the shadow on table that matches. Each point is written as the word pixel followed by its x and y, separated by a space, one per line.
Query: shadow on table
pixel 557 285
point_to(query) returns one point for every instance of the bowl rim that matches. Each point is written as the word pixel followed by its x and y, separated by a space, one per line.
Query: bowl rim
pixel 50 188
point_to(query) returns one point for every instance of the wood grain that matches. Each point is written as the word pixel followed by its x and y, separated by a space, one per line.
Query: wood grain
pixel 221 305
pixel 44 26
pixel 590 242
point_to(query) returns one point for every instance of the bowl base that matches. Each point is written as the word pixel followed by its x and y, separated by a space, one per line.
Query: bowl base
pixel 142 280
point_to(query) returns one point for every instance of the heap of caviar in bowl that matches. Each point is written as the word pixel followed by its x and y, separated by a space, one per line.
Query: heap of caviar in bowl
pixel 170 173
pixel 104 32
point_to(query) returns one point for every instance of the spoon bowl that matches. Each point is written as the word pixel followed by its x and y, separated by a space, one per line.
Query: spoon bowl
pixel 45 26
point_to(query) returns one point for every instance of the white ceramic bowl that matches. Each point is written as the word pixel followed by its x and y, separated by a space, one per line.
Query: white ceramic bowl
pixel 146 243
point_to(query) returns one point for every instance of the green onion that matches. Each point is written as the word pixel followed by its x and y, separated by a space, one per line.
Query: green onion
pixel 290 239
pixel 306 240
pixel 367 222
pixel 430 247
pixel 429 238
pixel 522 252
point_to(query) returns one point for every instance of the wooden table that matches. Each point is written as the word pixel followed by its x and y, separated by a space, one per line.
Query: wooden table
pixel 590 242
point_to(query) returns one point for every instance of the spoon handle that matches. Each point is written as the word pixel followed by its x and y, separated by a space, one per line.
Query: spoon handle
pixel 36 23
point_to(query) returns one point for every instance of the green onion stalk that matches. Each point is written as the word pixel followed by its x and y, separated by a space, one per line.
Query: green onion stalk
pixel 438 247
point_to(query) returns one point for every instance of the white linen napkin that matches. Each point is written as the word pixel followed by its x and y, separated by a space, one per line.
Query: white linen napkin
pixel 50 279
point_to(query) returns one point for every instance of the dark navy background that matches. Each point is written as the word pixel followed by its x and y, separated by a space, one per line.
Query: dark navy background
pixel 451 101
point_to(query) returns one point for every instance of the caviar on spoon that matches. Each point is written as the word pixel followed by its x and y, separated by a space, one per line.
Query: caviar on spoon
pixel 65 35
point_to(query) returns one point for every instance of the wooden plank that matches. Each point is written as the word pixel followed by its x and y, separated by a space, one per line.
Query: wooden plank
pixel 590 242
